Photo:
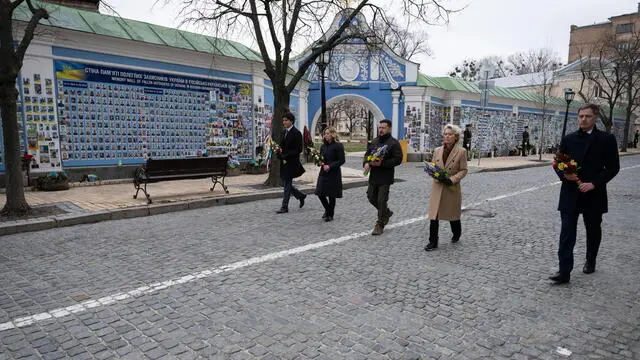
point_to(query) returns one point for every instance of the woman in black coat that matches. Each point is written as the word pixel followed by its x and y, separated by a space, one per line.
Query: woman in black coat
pixel 329 186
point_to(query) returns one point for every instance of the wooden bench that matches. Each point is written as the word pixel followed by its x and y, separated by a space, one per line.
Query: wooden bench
pixel 156 170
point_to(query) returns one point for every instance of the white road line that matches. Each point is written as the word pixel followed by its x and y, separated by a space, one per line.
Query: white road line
pixel 151 288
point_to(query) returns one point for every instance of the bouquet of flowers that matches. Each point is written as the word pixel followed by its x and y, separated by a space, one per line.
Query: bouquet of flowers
pixel 275 148
pixel 316 156
pixel 377 155
pixel 438 173
pixel 562 163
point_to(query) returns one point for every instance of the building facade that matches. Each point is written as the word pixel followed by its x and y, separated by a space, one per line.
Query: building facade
pixel 583 39
pixel 102 94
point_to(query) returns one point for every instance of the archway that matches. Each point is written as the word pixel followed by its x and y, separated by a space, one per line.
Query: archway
pixel 368 104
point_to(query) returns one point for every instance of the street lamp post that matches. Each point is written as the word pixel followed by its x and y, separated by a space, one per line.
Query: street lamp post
pixel 568 97
pixel 322 62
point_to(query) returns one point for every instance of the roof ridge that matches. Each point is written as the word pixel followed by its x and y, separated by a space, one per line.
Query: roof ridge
pixel 122 21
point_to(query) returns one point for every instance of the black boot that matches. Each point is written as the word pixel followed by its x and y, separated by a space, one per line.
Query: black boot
pixel 456 229
pixel 433 236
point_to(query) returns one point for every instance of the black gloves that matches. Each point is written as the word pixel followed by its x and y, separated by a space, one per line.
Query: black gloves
pixel 446 181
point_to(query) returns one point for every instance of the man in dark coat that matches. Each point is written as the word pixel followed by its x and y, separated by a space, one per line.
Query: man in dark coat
pixel 525 141
pixel 290 168
pixel 466 138
pixel 382 173
pixel 596 153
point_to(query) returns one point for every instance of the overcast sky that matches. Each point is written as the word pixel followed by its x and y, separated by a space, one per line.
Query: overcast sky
pixel 484 27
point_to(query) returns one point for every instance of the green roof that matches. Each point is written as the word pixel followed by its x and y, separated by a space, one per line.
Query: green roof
pixel 456 84
pixel 114 26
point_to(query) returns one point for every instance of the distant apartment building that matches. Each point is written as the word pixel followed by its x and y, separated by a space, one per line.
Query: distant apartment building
pixel 582 39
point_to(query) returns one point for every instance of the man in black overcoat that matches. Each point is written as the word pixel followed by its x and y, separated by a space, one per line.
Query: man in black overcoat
pixel 466 138
pixel 525 141
pixel 290 167
pixel 596 153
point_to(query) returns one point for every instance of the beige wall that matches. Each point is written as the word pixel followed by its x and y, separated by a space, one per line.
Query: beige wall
pixel 582 39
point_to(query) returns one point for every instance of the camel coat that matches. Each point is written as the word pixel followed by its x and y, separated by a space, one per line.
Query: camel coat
pixel 444 203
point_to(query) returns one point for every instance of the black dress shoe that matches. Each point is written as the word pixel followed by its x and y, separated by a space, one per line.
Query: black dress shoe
pixel 302 200
pixel 282 211
pixel 559 278
pixel 430 247
pixel 455 239
pixel 589 268
pixel 324 216
pixel 328 218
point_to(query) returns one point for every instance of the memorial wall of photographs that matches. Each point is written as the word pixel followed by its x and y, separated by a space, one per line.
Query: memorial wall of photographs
pixel 439 116
pixel 40 121
pixel 230 127
pixel 119 116
pixel 264 115
pixel 120 122
pixel 501 130
pixel 413 129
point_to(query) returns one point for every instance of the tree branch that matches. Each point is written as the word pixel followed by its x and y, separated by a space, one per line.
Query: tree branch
pixel 15 4
pixel 270 70
pixel 38 14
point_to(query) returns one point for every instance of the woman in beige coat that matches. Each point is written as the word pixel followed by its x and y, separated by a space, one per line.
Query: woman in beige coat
pixel 445 201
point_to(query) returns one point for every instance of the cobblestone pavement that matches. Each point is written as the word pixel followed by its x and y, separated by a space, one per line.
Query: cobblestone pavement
pixel 239 282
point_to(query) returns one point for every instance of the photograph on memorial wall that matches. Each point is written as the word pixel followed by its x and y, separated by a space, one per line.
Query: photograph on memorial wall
pixel 119 116
pixel 39 118
pixel 413 129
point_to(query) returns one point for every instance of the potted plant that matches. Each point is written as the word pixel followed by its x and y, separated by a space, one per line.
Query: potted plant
pixel 257 166
pixel 53 181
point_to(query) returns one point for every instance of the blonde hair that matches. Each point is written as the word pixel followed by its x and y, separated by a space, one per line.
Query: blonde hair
pixel 332 132
pixel 455 129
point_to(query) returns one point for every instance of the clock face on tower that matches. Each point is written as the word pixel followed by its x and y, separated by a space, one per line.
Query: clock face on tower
pixel 349 69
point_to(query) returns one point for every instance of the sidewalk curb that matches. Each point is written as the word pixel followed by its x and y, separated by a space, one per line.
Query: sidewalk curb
pixel 58 221
pixel 536 163
pixel 515 167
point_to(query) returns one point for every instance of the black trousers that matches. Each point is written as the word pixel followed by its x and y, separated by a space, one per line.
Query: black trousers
pixel 378 196
pixel 289 189
pixel 329 204
pixel 456 229
pixel 592 223
pixel 525 147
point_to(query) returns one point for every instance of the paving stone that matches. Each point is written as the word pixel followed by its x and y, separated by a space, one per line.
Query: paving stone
pixel 485 297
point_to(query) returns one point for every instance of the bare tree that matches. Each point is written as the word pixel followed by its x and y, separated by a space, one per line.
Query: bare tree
pixel 612 69
pixel 627 59
pixel 275 25
pixel 533 61
pixel 351 112
pixel 401 40
pixel 601 82
pixel 544 95
pixel 11 60
pixel 471 70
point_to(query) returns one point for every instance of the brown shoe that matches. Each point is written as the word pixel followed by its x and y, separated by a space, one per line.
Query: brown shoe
pixel 378 229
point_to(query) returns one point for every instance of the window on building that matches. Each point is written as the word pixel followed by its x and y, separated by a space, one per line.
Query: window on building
pixel 623 45
pixel 624 28
pixel 597 92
